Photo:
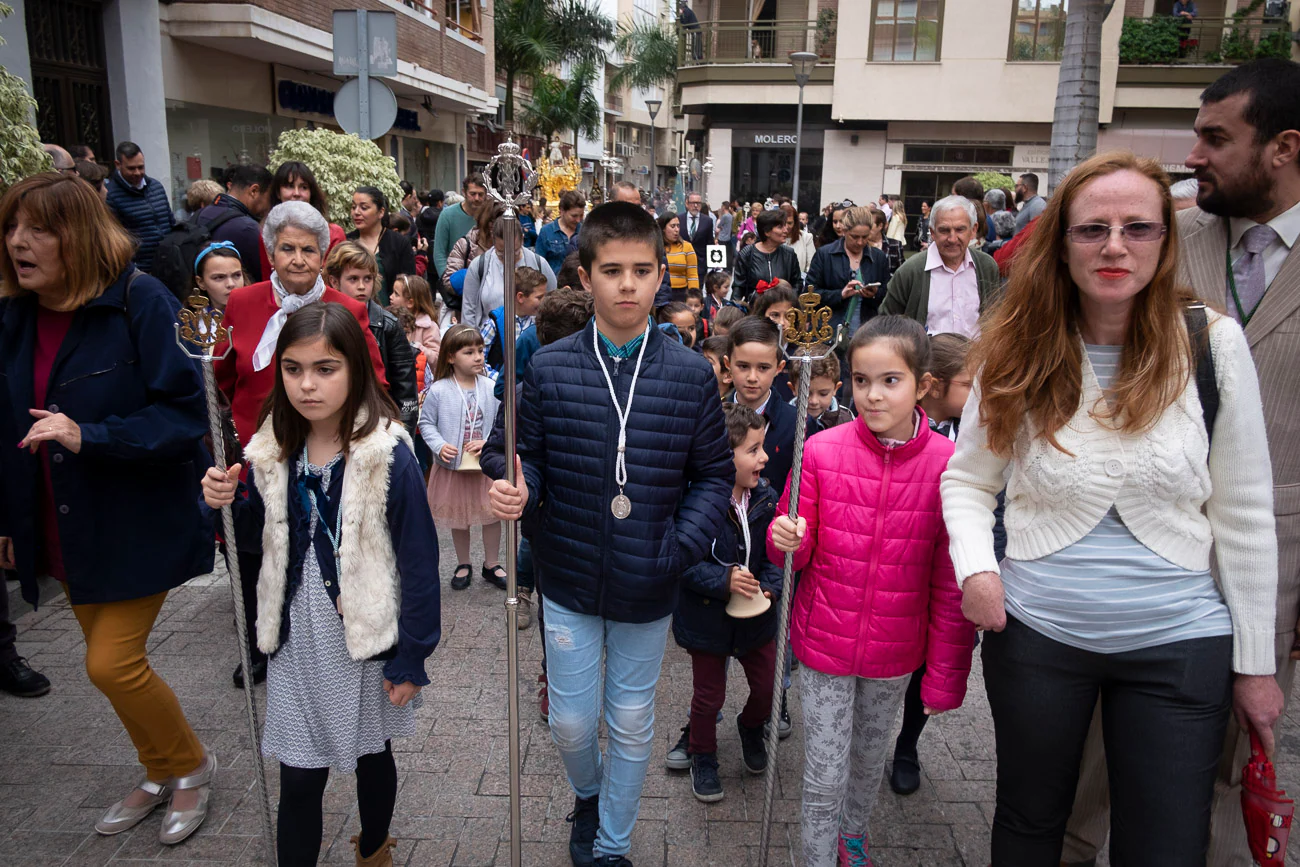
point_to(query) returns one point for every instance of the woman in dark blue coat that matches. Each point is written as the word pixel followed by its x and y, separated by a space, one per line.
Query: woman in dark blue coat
pixel 102 491
pixel 840 270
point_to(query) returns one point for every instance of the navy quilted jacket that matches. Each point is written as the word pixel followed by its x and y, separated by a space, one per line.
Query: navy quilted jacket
pixel 145 213
pixel 679 467
pixel 701 621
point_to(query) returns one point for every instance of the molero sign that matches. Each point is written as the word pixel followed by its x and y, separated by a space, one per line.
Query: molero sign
pixel 776 139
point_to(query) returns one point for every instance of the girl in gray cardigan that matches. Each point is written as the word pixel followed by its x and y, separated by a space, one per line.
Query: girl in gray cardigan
pixel 455 420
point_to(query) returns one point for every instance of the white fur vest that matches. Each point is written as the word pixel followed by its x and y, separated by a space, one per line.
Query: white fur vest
pixel 369 587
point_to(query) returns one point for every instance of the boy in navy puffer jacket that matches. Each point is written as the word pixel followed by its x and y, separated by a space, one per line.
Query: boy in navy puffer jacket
pixel 621 441
pixel 737 566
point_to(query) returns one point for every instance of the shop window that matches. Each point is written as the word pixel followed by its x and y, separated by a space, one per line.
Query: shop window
pixel 1038 30
pixel 907 30
pixel 957 155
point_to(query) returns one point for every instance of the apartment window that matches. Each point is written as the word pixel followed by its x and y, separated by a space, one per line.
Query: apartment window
pixel 1038 31
pixel 906 30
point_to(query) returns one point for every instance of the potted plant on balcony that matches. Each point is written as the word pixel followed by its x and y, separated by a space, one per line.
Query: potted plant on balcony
pixel 826 20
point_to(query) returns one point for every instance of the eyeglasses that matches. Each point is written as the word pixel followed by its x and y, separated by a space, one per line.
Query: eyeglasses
pixel 1141 231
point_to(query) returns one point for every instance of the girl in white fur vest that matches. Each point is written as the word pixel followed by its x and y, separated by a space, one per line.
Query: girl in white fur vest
pixel 348 605
pixel 455 421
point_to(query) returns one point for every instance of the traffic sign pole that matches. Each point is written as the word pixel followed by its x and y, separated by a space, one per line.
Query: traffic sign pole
pixel 363 73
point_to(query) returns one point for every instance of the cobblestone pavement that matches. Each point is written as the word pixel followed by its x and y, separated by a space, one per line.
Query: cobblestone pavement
pixel 64 758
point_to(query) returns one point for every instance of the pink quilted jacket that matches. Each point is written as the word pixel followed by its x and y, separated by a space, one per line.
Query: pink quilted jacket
pixel 878 597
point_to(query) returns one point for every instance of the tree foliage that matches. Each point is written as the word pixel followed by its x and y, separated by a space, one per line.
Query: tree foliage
pixel 341 163
pixel 650 54
pixel 532 36
pixel 565 103
pixel 20 144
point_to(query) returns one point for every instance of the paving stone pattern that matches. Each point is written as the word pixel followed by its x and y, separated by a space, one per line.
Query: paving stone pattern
pixel 64 758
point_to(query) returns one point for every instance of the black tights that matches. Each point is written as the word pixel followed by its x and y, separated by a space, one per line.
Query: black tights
pixel 301 821
pixel 914 719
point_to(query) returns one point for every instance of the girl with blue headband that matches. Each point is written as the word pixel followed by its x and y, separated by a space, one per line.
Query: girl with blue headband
pixel 218 271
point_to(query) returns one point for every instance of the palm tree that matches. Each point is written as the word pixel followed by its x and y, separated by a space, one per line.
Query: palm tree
pixel 1078 89
pixel 567 103
pixel 649 56
pixel 534 35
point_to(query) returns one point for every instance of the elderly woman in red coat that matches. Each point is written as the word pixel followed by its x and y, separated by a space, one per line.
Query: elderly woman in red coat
pixel 296 238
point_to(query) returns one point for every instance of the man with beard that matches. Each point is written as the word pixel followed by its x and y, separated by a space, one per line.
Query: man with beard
pixel 1031 204
pixel 1240 254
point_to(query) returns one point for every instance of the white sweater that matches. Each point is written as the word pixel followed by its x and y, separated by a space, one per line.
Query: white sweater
pixel 1158 481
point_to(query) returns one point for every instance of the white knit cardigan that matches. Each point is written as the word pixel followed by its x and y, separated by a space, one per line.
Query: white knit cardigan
pixel 1159 482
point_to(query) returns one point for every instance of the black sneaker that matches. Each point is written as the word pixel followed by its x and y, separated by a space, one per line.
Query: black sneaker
pixel 582 836
pixel 704 778
pixel 18 678
pixel 783 725
pixel 460 578
pixel 679 757
pixel 752 747
pixel 612 861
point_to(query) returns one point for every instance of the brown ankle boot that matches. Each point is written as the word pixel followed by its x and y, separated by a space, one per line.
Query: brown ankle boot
pixel 382 857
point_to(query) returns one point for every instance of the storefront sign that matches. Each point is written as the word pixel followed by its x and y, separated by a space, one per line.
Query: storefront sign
pixel 306 99
pixel 775 139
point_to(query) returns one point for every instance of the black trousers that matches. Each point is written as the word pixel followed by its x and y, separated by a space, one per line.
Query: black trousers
pixel 301 813
pixel 8 632
pixel 1164 712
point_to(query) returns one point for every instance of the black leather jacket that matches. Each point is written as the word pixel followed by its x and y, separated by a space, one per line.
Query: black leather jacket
pixel 399 362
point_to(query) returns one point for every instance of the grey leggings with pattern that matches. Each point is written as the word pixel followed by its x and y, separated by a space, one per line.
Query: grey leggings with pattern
pixel 847 726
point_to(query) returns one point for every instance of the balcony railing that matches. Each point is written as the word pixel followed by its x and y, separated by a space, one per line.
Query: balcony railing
pixel 753 42
pixel 1165 40
pixel 613 102
pixel 435 9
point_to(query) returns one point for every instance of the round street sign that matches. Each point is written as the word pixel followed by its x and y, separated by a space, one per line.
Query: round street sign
pixel 383 108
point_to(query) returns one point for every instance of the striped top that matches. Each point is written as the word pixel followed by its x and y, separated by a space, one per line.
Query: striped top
pixel 1109 593
pixel 683 271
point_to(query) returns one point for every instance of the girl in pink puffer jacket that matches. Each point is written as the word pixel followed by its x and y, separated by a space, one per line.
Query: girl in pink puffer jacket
pixel 877 596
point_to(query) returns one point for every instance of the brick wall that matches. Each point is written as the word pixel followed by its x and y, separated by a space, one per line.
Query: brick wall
pixel 1134 8
pixel 417 42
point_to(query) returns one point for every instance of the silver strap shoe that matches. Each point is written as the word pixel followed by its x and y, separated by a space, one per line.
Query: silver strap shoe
pixel 121 818
pixel 180 824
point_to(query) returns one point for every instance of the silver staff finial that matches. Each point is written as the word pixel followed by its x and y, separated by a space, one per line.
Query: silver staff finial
pixel 509 177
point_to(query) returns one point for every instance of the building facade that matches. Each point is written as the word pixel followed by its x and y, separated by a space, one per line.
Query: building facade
pixel 201 86
pixel 910 95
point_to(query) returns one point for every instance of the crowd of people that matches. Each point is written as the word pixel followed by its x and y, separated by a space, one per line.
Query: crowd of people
pixel 1069 427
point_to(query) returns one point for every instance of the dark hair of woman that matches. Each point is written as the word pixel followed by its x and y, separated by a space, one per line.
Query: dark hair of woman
pixel 381 202
pixel 290 173
pixel 768 221
pixel 367 402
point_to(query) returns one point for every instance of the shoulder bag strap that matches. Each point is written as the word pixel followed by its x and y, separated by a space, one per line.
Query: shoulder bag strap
pixel 1207 386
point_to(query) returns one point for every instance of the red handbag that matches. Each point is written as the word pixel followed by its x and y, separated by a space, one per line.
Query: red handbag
pixel 1266 808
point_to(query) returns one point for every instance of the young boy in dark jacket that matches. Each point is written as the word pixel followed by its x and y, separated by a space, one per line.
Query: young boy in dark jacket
pixel 737 565
pixel 754 360
pixel 621 441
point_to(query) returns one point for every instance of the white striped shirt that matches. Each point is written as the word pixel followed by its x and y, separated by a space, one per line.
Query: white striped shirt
pixel 1109 593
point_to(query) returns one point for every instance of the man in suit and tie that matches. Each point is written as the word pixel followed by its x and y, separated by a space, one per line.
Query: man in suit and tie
pixel 697 228
pixel 1240 253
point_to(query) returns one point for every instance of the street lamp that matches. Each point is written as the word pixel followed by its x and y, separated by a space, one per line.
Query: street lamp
pixel 706 170
pixel 652 106
pixel 803 62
